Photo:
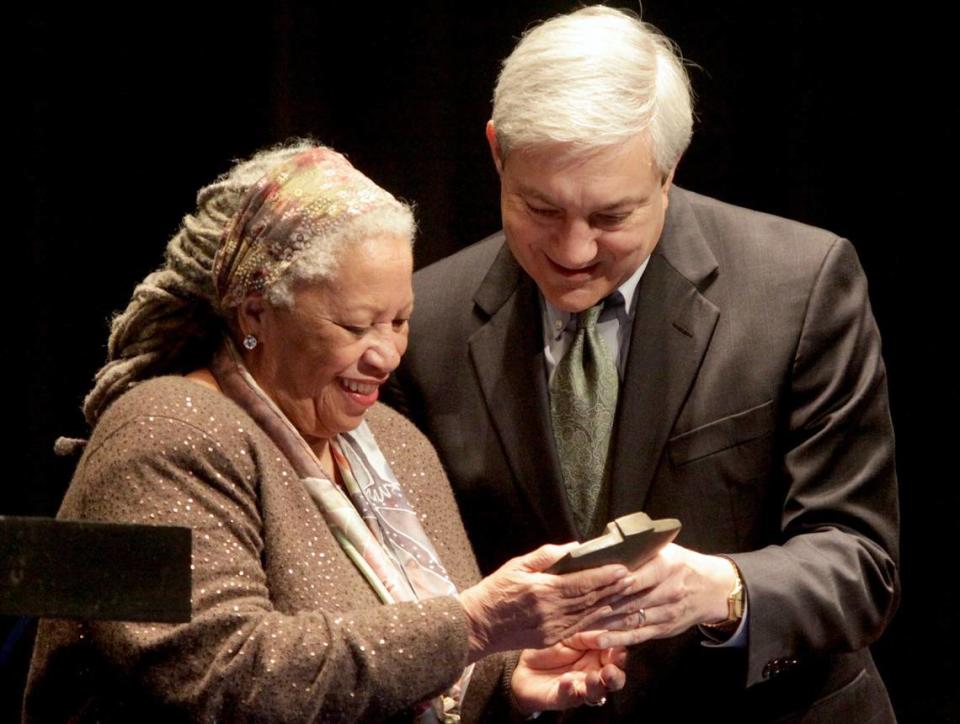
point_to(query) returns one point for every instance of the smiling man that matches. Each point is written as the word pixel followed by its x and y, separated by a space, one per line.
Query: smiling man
pixel 581 226
pixel 625 344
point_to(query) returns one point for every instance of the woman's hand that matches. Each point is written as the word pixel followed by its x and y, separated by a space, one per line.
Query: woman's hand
pixel 518 606
pixel 566 675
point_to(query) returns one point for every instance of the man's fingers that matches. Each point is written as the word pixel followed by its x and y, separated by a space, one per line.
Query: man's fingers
pixel 651 573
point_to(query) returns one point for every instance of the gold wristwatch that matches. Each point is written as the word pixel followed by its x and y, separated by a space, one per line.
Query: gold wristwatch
pixel 735 600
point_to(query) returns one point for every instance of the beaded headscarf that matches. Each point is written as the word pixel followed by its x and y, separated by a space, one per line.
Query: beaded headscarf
pixel 308 197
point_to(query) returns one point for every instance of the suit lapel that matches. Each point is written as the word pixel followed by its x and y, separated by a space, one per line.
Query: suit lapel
pixel 672 329
pixel 507 355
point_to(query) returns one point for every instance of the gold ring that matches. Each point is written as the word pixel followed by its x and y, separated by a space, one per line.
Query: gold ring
pixel 643 617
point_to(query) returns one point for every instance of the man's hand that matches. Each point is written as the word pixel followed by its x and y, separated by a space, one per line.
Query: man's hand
pixel 673 591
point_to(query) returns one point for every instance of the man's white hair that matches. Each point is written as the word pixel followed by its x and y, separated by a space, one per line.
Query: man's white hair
pixel 591 79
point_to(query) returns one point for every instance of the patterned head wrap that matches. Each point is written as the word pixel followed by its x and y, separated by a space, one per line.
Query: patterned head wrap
pixel 306 198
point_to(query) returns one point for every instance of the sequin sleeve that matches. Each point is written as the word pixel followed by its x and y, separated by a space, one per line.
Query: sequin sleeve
pixel 241 657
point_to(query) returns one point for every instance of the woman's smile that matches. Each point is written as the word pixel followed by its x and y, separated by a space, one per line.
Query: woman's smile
pixel 363 393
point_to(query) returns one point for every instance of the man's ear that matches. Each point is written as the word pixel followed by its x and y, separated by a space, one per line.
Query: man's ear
pixel 665 187
pixel 668 179
pixel 494 147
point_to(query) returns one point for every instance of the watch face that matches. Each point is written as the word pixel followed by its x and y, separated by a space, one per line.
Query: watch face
pixel 736 607
pixel 735 602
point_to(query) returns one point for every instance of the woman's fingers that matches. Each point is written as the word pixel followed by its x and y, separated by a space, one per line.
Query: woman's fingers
pixel 592 686
pixel 596 619
pixel 565 676
pixel 603 639
pixel 595 686
pixel 540 559
pixel 593 587
pixel 613 677
pixel 586 586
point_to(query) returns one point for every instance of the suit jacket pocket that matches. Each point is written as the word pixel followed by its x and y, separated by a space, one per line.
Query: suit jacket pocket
pixel 722 434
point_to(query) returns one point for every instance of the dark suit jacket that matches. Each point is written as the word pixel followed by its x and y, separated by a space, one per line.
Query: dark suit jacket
pixel 753 408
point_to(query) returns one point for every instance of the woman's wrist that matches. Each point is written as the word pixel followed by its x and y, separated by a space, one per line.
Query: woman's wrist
pixel 478 634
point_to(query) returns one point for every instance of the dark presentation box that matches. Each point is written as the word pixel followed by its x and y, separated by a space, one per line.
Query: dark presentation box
pixel 80 569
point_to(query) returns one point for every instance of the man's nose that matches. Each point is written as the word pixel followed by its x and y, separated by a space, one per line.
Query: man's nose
pixel 576 246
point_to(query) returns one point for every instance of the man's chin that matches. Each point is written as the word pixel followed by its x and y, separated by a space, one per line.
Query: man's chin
pixel 574 300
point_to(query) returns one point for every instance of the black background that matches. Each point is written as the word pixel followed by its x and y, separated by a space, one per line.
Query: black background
pixel 840 115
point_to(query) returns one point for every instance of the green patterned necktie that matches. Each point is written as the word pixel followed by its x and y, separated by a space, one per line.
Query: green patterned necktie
pixel 583 402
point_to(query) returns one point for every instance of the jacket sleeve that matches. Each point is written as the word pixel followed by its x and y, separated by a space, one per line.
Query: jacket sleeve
pixel 832 584
pixel 239 658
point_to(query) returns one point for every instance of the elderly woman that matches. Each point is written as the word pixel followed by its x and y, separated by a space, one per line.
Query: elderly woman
pixel 332 579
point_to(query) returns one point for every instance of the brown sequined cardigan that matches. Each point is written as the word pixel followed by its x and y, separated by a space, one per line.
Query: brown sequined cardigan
pixel 284 628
